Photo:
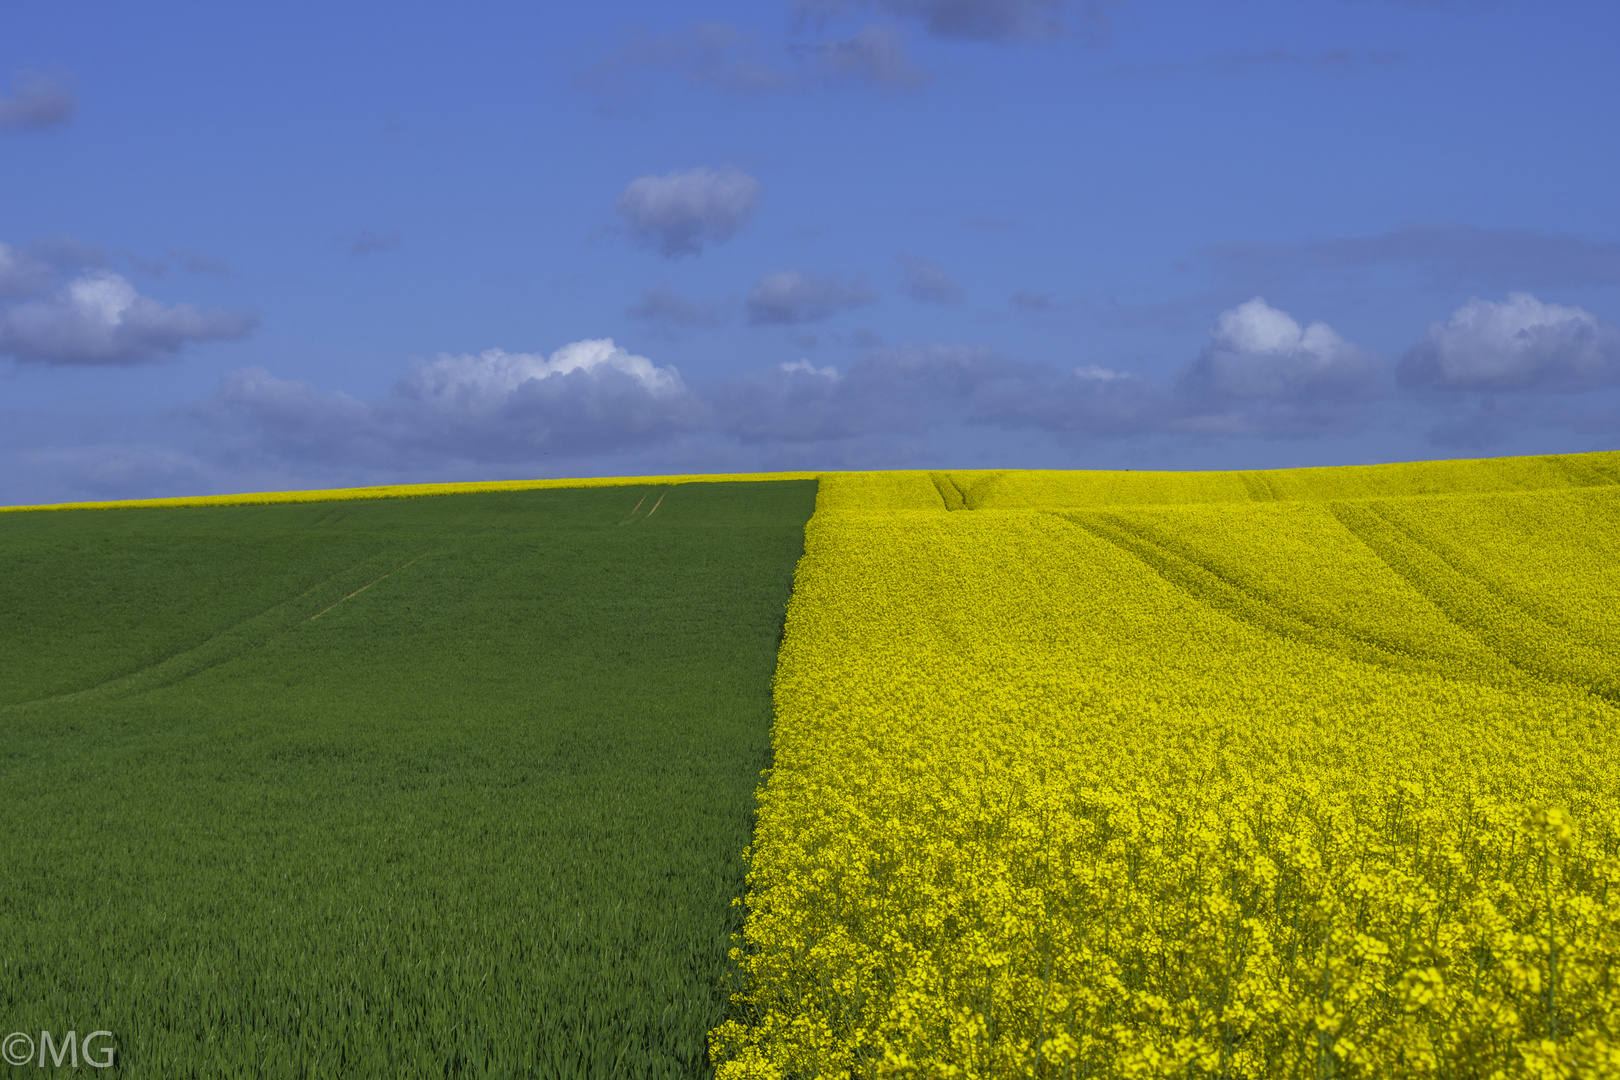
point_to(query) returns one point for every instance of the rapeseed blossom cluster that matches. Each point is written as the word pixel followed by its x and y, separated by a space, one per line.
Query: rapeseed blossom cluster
pixel 1303 779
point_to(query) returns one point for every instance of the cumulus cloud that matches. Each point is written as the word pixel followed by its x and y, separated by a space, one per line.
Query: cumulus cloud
pixel 588 397
pixel 983 20
pixel 793 296
pixel 664 306
pixel 38 101
pixel 97 317
pixel 677 213
pixel 1264 374
pixel 1517 344
pixel 926 281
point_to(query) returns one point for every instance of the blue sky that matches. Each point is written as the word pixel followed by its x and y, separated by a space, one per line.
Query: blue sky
pixel 271 246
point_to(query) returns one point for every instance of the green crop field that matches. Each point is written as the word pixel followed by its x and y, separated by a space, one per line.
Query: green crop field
pixel 448 786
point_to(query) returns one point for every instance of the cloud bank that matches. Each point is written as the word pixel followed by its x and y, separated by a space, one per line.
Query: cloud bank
pixel 588 397
pixel 1491 371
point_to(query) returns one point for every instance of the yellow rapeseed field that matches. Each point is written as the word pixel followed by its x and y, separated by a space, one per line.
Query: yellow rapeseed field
pixel 1295 774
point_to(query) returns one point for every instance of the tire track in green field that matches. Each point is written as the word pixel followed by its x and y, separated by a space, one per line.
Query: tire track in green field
pixel 1479 606
pixel 630 518
pixel 633 509
pixel 362 588
pixel 255 631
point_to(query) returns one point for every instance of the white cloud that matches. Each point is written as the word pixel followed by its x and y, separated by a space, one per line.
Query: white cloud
pixel 808 368
pixel 1098 374
pixel 99 318
pixel 1257 351
pixel 679 212
pixel 588 397
pixel 493 376
pixel 1515 344
pixel 793 296
pixel 1263 374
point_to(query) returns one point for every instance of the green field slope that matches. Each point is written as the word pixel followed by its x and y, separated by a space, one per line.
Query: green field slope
pixel 445 786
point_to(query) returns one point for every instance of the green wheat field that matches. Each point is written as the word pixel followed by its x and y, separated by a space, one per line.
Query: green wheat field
pixel 448 786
